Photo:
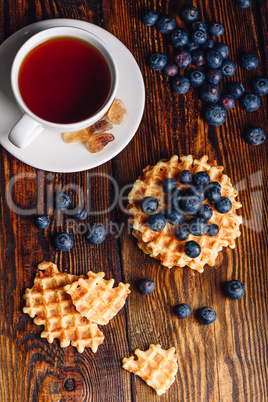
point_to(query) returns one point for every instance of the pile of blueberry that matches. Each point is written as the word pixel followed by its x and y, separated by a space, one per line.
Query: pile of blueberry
pixel 194 46
pixel 187 200
pixel 64 241
pixel 233 289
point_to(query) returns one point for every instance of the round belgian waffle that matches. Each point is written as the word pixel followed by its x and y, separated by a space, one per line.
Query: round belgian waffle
pixel 163 245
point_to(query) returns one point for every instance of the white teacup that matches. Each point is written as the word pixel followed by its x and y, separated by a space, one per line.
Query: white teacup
pixel 30 125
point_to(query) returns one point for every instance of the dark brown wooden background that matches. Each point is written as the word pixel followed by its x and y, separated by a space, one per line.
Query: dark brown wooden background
pixel 226 361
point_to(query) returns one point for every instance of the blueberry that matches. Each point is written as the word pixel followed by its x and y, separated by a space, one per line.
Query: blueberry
pixel 199 37
pixel 199 191
pixel 189 14
pixel 236 89
pixel 158 61
pixel 149 205
pixel 171 70
pixel 214 58
pixel 223 49
pixel 169 185
pixel 205 212
pixel 190 204
pixel 255 136
pixel 186 177
pixel 96 234
pixel 183 59
pixel 182 232
pixel 227 102
pixel 63 241
pixel 80 215
pixel 146 286
pixel 249 61
pixel 234 289
pixel 198 226
pixel 206 315
pixel 177 196
pixel 198 57
pixel 157 222
pixel 166 24
pixel 223 206
pixel 228 68
pixel 182 310
pixel 181 85
pixel 250 102
pixel 42 222
pixel 192 249
pixel 175 217
pixel 179 37
pixel 212 193
pixel 214 76
pixel 192 46
pixel 215 183
pixel 244 3
pixel 199 26
pixel 213 229
pixel 197 78
pixel 209 44
pixel 150 18
pixel 215 115
pixel 210 93
pixel 63 201
pixel 216 29
pixel 260 86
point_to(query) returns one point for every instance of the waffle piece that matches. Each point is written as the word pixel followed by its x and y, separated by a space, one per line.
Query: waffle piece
pixel 96 299
pixel 52 307
pixel 156 366
pixel 164 245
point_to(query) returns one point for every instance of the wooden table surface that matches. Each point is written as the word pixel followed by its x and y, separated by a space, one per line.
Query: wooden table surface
pixel 226 361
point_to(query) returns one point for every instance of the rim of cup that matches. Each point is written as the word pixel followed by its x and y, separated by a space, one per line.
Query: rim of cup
pixel 57 32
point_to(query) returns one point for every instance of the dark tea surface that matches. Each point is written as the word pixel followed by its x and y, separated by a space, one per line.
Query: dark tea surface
pixel 64 80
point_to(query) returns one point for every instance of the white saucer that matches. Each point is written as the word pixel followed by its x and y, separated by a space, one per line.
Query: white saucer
pixel 49 151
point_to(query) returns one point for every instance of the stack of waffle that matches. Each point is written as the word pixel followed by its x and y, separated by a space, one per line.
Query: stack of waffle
pixel 164 245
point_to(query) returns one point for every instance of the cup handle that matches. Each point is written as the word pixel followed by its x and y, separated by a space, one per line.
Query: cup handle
pixel 25 131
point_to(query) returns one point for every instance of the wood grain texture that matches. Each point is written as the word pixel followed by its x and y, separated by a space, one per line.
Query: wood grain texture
pixel 224 362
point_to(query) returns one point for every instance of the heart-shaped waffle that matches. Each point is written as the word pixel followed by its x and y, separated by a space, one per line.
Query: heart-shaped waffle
pixel 52 307
pixel 156 366
pixel 164 245
pixel 96 299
